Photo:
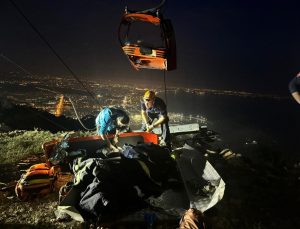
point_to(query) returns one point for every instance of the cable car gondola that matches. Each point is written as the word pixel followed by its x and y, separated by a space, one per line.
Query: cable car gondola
pixel 149 55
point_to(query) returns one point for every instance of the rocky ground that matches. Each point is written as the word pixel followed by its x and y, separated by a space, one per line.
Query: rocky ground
pixel 262 191
pixel 36 213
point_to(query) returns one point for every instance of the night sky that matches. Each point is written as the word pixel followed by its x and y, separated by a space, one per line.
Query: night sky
pixel 233 45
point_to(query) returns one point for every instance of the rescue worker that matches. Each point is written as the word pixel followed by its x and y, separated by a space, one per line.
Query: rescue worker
pixel 294 87
pixel 154 113
pixel 111 121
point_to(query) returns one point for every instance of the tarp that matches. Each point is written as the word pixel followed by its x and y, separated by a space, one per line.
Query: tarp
pixel 203 184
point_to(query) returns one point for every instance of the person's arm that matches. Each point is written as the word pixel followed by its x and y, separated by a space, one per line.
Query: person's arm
pixel 103 134
pixel 296 96
pixel 116 138
pixel 162 116
pixel 145 117
pixel 294 87
pixel 111 146
pixel 105 138
pixel 97 128
pixel 161 119
pixel 97 123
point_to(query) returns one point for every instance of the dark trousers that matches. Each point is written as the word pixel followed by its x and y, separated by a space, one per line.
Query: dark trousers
pixel 165 130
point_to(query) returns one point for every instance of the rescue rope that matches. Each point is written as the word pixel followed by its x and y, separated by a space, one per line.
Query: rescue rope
pixel 79 120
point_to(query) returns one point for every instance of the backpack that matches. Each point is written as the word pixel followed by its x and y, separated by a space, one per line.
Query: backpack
pixel 38 180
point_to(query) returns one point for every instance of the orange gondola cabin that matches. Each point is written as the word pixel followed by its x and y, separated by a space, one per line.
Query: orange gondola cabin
pixel 148 40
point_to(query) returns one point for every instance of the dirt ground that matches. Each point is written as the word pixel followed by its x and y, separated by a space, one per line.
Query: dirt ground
pixel 36 213
pixel 262 191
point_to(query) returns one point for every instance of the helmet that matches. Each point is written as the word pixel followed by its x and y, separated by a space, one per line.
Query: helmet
pixel 149 95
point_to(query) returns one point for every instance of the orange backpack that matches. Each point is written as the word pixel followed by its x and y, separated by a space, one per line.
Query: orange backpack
pixel 37 181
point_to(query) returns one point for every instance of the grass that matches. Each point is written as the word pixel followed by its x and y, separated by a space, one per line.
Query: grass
pixel 270 186
pixel 17 145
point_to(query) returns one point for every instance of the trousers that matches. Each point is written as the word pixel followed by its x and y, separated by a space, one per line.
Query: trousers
pixel 165 130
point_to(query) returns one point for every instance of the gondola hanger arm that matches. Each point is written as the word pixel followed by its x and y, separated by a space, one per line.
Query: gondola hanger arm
pixel 150 10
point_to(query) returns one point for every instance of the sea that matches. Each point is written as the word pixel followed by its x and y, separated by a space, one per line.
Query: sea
pixel 241 121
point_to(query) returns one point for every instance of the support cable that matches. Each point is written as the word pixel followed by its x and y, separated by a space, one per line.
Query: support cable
pixel 14 63
pixel 151 10
pixel 55 92
pixel 165 87
pixel 53 50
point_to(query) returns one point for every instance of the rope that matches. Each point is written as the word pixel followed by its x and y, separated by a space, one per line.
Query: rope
pixel 30 74
pixel 53 50
pixel 56 124
pixel 14 63
pixel 79 118
pixel 165 87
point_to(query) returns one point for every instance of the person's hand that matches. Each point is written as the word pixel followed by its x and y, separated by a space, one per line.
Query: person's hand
pixel 147 126
pixel 116 139
pixel 150 128
pixel 113 148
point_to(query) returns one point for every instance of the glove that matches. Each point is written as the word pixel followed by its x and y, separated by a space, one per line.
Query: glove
pixel 150 128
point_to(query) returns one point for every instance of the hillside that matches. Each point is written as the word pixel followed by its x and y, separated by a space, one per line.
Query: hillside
pixel 17 117
pixel 262 184
pixel 261 187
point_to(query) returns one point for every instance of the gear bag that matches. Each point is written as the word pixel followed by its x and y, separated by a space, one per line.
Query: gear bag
pixel 37 181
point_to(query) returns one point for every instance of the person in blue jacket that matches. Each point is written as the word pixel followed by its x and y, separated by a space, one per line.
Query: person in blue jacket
pixel 111 121
pixel 294 87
